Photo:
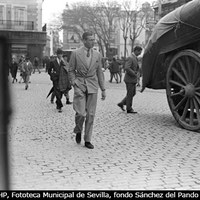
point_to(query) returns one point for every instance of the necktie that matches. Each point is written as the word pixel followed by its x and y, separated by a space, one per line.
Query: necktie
pixel 88 52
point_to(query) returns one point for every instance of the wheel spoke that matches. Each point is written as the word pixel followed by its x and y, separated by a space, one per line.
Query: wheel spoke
pixel 197 93
pixel 189 68
pixel 185 110
pixel 180 103
pixel 179 75
pixel 197 99
pixel 191 112
pixel 197 88
pixel 178 93
pixel 195 74
pixel 197 82
pixel 176 83
pixel 183 69
pixel 197 110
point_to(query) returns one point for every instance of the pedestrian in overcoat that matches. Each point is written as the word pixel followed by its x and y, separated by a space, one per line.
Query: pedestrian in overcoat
pixel 27 69
pixel 13 70
pixel 59 77
pixel 130 78
pixel 114 70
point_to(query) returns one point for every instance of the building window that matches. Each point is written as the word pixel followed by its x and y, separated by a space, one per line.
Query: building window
pixel 19 15
pixel 2 13
pixel 73 38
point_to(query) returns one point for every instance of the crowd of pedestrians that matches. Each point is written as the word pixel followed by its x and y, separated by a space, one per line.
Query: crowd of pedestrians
pixel 115 68
pixel 25 68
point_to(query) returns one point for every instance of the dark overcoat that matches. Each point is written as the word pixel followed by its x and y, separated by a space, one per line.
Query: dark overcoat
pixel 131 69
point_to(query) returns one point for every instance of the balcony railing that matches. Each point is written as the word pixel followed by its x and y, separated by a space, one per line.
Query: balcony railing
pixel 16 25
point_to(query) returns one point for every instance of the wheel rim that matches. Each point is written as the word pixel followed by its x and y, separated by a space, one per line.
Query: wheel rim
pixel 183 89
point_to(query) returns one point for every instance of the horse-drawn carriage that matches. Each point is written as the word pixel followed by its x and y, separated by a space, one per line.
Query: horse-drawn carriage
pixel 171 61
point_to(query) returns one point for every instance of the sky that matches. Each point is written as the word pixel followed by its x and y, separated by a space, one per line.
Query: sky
pixel 54 6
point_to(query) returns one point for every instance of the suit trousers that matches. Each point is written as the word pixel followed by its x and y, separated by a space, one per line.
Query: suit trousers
pixel 131 91
pixel 58 95
pixel 84 105
pixel 26 78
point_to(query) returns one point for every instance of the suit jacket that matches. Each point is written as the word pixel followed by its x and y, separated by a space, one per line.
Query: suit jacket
pixel 131 68
pixel 27 68
pixel 84 76
pixel 59 75
pixel 54 69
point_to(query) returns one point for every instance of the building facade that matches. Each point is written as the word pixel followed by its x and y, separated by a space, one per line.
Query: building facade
pixel 71 40
pixel 21 25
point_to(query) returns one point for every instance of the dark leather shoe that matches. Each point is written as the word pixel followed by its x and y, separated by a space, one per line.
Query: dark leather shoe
pixel 78 138
pixel 131 111
pixel 89 145
pixel 121 106
pixel 68 102
pixel 59 110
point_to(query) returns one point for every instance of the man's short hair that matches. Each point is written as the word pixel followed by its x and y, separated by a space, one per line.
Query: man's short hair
pixel 86 34
pixel 59 51
pixel 137 48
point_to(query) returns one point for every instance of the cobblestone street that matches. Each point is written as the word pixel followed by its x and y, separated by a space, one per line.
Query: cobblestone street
pixel 144 151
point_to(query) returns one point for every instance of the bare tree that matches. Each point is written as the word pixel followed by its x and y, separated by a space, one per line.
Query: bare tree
pixel 137 24
pixel 102 19
pixel 99 17
pixel 125 22
pixel 74 18
pixel 149 19
pixel 55 22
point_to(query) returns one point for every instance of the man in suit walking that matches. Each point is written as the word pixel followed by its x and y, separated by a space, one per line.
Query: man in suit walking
pixel 130 78
pixel 86 75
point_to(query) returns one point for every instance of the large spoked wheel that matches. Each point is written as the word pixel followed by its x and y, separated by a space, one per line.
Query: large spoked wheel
pixel 183 89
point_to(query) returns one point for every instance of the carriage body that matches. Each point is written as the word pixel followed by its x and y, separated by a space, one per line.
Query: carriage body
pixel 171 61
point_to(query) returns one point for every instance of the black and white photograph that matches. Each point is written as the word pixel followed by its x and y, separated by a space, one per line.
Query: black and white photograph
pixel 100 95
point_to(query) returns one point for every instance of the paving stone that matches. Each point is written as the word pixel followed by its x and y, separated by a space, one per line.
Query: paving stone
pixel 144 151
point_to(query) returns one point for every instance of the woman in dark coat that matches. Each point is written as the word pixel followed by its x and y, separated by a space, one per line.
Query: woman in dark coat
pixel 114 70
pixel 13 70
